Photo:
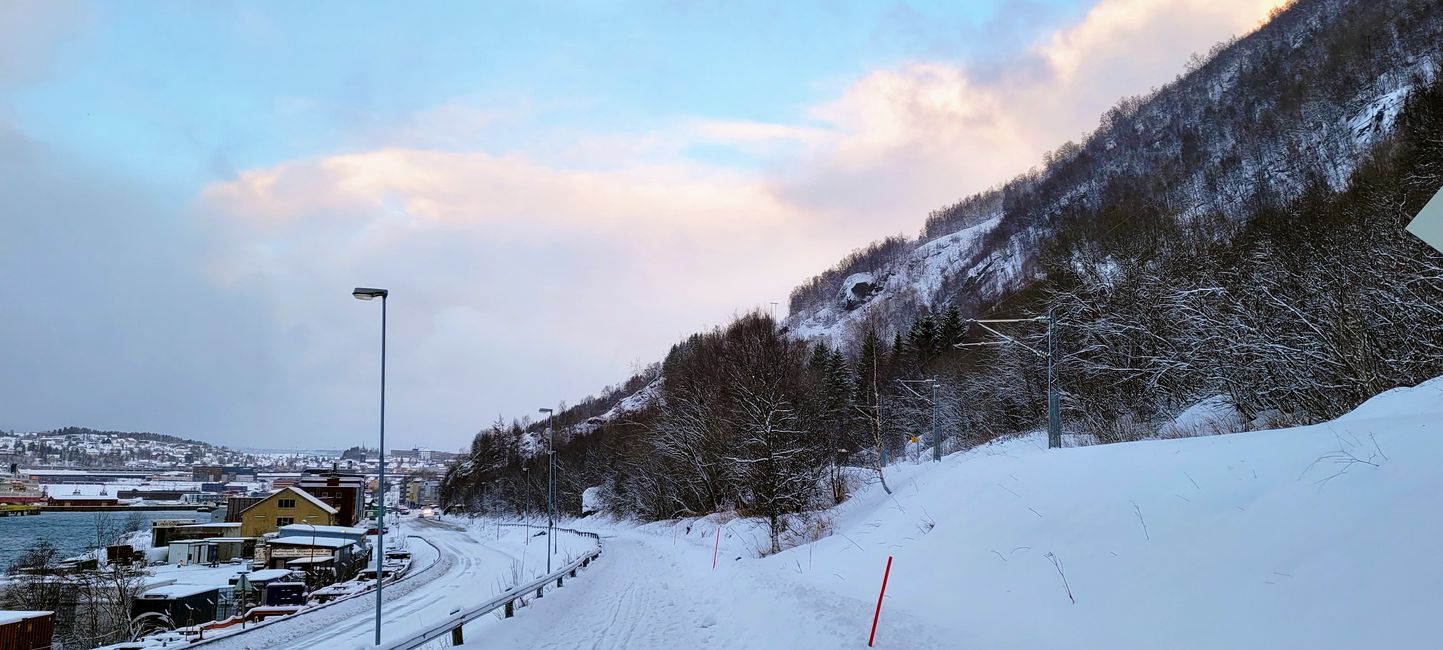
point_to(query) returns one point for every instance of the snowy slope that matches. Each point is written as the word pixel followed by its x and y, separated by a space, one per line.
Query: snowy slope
pixel 915 280
pixel 1269 111
pixel 1314 537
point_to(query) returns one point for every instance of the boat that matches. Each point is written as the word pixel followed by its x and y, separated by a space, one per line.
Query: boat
pixel 17 489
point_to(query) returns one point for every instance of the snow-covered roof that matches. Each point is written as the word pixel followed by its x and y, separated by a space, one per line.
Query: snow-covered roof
pixel 75 490
pixel 172 592
pixel 296 530
pixel 20 615
pixel 83 497
pixel 311 560
pixel 319 542
pixel 265 575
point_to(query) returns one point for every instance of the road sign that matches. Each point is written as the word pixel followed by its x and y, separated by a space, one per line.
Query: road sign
pixel 1428 225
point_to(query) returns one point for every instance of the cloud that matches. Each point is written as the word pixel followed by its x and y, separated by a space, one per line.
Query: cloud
pixel 547 269
pixel 106 323
pixel 913 138
pixel 510 279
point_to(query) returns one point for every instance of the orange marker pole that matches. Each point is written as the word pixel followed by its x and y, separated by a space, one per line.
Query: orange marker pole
pixel 878 614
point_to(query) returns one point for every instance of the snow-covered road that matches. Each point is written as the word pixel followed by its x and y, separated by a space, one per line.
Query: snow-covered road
pixel 472 566
pixel 651 592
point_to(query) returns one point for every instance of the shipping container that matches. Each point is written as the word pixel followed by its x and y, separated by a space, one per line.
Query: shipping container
pixel 285 593
pixel 21 630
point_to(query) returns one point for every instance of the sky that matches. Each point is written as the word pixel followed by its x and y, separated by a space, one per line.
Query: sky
pixel 553 192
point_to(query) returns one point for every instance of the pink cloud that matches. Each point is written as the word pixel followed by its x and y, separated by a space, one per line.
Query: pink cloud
pixel 605 248
pixel 910 139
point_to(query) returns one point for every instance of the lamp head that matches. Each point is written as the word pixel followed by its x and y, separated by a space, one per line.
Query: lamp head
pixel 366 293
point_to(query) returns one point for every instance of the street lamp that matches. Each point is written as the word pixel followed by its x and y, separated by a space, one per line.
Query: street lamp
pixel 365 293
pixel 550 485
pixel 310 552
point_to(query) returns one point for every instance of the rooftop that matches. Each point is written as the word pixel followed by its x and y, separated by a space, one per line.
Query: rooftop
pixel 172 592
pixel 268 574
pixel 10 616
pixel 294 530
pixel 318 542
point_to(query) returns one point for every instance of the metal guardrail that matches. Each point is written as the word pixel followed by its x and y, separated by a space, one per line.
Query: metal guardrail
pixel 459 618
pixel 232 633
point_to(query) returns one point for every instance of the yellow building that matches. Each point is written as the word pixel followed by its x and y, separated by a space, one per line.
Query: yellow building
pixel 286 506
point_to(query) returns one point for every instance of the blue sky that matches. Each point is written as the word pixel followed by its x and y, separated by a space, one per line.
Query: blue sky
pixel 555 192
pixel 190 92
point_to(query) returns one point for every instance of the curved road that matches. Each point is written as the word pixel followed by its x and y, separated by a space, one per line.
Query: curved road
pixel 466 570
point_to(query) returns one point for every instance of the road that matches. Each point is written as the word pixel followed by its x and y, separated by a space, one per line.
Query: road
pixel 649 592
pixel 466 569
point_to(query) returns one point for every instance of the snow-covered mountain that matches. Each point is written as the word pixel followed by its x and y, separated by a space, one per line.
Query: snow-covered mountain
pixel 1305 97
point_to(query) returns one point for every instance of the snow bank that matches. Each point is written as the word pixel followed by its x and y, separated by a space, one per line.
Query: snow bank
pixel 1314 537
pixel 1211 416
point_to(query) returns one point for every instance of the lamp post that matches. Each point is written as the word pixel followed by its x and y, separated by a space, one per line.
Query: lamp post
pixel 550 485
pixel 310 552
pixel 365 293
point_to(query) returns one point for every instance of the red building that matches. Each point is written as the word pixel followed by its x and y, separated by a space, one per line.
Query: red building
pixel 344 492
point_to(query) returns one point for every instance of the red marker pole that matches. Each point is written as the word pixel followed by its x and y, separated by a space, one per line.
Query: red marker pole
pixel 878 615
pixel 715 549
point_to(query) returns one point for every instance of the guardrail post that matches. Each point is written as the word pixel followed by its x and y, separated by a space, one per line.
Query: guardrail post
pixel 538 591
pixel 558 580
pixel 586 562
pixel 510 608
pixel 573 573
pixel 456 636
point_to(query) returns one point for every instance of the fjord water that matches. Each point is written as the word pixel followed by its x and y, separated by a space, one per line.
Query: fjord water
pixel 74 532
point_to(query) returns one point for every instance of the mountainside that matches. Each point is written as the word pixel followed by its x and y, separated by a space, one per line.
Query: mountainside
pixel 1230 247
pixel 1295 538
pixel 1303 98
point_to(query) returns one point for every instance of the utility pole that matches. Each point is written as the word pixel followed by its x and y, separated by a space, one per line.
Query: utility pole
pixel 1054 414
pixel 550 485
pixel 936 436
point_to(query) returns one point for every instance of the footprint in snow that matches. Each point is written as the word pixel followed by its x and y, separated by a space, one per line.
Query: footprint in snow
pixel 707 621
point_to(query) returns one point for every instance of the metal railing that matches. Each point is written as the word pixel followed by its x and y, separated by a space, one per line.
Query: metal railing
pixel 507 599
pixel 233 633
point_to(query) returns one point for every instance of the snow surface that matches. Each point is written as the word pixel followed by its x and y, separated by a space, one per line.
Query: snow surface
pixel 1211 416
pixel 477 560
pixel 919 275
pixel 1313 537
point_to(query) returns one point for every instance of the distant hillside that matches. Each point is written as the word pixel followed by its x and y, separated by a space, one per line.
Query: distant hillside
pixel 137 435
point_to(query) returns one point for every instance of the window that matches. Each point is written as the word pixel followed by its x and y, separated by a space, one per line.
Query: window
pixel 284 521
pixel 287 503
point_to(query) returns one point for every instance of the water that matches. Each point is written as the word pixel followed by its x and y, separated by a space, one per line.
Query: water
pixel 73 533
